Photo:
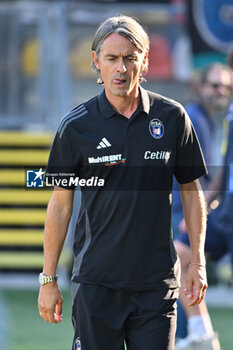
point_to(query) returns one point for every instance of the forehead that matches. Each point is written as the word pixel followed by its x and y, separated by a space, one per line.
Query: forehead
pixel 219 75
pixel 117 44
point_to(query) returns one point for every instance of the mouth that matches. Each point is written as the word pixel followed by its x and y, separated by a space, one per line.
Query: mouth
pixel 119 81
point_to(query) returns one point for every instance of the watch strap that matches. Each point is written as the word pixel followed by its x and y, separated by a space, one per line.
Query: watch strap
pixel 44 279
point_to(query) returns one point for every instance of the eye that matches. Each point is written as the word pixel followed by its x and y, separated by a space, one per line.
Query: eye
pixel 111 58
pixel 132 59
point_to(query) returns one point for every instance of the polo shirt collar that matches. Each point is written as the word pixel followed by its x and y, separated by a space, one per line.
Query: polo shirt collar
pixel 105 108
pixel 107 111
pixel 144 104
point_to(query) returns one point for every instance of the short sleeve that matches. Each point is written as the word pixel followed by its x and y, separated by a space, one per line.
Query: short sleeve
pixel 189 164
pixel 64 159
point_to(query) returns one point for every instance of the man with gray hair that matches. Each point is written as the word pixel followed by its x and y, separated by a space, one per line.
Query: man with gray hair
pixel 126 273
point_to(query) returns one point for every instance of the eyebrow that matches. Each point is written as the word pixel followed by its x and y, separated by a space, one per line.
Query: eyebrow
pixel 113 56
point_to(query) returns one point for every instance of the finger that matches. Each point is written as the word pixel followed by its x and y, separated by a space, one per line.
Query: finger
pixel 196 297
pixel 59 308
pixel 53 317
pixel 58 314
pixel 45 317
pixel 202 295
pixel 188 291
pixel 57 318
pixel 50 315
pixel 201 299
pixel 205 288
pixel 43 314
pixel 47 313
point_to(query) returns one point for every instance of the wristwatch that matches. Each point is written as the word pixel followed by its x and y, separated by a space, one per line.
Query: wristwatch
pixel 44 279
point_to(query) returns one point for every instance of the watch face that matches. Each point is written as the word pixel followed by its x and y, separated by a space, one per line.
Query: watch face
pixel 42 278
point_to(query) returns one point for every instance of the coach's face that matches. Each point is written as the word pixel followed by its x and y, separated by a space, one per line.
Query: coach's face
pixel 120 64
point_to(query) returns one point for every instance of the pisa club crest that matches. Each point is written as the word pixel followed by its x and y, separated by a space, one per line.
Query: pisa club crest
pixel 156 128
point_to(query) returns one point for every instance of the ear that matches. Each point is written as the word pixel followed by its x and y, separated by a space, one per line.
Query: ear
pixel 95 59
pixel 145 59
pixel 146 55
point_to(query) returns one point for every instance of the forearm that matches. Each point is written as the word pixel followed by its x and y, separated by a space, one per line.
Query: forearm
pixel 194 209
pixel 56 225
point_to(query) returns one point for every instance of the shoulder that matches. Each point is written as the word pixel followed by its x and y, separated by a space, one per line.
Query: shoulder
pixel 80 113
pixel 165 103
pixel 198 117
pixel 196 112
pixel 193 109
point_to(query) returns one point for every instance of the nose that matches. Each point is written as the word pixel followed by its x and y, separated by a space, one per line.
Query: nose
pixel 225 89
pixel 121 66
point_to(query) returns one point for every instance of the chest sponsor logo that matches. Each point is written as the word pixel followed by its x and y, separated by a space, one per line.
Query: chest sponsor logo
pixel 157 155
pixel 156 128
pixel 109 160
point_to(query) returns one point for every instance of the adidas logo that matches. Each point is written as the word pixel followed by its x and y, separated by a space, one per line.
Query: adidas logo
pixel 104 143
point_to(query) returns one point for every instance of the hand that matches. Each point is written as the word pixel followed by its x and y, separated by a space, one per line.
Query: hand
pixel 196 284
pixel 50 303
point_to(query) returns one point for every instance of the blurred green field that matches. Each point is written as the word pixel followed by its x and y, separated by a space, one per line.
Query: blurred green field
pixel 25 330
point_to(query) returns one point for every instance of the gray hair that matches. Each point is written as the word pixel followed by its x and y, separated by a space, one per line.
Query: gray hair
pixel 126 26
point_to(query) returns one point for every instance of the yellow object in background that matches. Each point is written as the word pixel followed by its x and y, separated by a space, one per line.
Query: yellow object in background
pixel 30 58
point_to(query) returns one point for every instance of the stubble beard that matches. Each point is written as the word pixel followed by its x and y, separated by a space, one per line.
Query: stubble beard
pixel 220 104
pixel 120 92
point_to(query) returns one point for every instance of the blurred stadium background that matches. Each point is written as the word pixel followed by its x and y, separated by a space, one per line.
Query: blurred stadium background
pixel 44 72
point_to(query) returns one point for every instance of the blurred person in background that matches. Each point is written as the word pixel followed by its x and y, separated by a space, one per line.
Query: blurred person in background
pixel 215 96
pixel 125 279
pixel 211 100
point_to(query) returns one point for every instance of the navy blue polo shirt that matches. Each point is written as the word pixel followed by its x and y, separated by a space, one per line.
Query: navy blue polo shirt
pixel 123 234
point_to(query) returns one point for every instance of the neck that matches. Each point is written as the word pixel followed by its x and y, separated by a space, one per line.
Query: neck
pixel 125 105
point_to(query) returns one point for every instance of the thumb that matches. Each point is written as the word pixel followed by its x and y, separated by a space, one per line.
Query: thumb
pixel 59 308
pixel 58 315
